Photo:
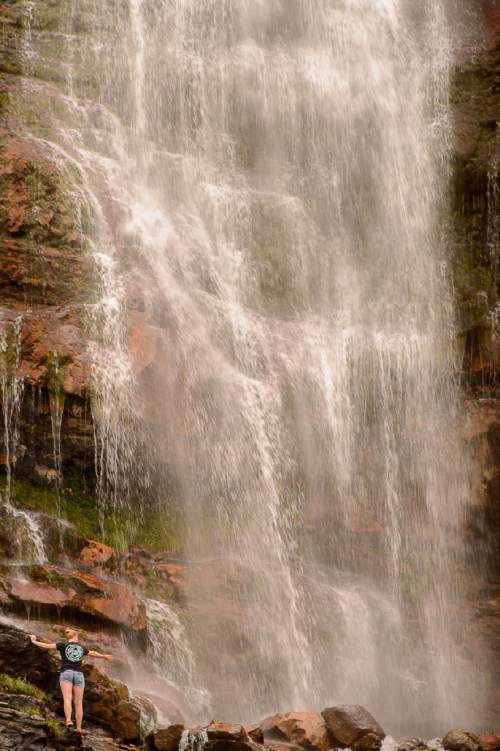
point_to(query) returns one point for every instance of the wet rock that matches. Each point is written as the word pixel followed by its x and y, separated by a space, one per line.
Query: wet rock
pixel 489 741
pixel 107 702
pixel 19 658
pixel 78 591
pixel 255 733
pixel 96 554
pixel 354 727
pixel 460 740
pixel 225 731
pixel 304 729
pixel 225 744
pixel 166 739
pixel 413 744
pixel 24 731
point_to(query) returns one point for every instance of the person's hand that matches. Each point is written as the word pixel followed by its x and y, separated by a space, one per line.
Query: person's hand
pixel 109 658
pixel 32 638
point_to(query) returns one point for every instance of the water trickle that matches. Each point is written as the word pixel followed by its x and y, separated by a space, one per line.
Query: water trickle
pixel 55 377
pixel 193 740
pixel 26 533
pixel 266 184
pixel 11 390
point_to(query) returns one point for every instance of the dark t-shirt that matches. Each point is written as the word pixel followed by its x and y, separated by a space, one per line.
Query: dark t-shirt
pixel 72 654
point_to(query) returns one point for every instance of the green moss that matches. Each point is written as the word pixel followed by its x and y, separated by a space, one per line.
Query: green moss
pixel 53 727
pixel 11 685
pixel 119 528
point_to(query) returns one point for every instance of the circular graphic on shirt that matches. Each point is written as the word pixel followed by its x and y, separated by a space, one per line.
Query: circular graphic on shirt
pixel 73 652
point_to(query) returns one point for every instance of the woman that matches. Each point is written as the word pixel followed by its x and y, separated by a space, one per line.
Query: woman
pixel 71 678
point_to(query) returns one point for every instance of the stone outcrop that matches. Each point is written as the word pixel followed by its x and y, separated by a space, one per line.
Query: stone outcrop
pixel 354 727
pixel 304 729
pixel 76 591
pixel 108 702
pixel 460 740
pixel 489 741
pixel 166 739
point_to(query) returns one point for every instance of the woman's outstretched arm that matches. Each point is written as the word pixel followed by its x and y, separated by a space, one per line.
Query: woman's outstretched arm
pixel 43 644
pixel 99 655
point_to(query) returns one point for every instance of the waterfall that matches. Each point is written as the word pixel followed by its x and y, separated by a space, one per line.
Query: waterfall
pixel 266 181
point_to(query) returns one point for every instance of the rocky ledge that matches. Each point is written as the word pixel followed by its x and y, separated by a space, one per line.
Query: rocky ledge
pixel 31 718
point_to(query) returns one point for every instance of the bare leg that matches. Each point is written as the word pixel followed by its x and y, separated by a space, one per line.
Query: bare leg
pixel 78 698
pixel 67 690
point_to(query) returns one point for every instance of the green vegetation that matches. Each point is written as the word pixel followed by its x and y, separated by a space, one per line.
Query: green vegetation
pixel 118 527
pixel 10 685
pixel 53 726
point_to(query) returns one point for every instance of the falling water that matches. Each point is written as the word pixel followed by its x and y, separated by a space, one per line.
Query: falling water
pixel 172 655
pixel 11 388
pixel 56 405
pixel 266 180
pixel 21 526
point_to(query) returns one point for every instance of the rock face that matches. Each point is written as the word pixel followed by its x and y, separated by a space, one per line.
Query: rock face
pixel 107 702
pixel 489 741
pixel 460 740
pixel 352 726
pixel 304 729
pixel 88 594
pixel 166 739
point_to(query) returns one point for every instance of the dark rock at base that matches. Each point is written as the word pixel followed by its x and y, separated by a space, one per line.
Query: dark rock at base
pixel 460 740
pixel 166 739
pixel 107 702
pixel 352 726
pixel 255 733
pixel 305 729
pixel 24 727
pixel 225 731
pixel 413 744
pixel 224 744
pixel 18 657
pixel 273 745
pixel 489 741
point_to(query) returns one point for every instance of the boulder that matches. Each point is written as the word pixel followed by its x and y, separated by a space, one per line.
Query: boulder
pixel 166 739
pixel 108 703
pixel 304 729
pixel 225 731
pixel 489 741
pixel 96 554
pixel 353 726
pixel 460 740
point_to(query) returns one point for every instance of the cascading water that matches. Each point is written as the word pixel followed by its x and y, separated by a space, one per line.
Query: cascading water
pixel 266 180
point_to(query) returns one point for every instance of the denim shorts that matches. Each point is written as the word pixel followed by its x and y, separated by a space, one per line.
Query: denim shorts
pixel 72 676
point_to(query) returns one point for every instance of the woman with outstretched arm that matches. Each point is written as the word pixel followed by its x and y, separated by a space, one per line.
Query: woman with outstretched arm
pixel 71 677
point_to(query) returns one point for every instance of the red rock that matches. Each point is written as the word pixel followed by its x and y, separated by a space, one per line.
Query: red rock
pixel 83 592
pixel 96 553
pixel 109 599
pixel 40 594
pixel 305 729
pixel 489 741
